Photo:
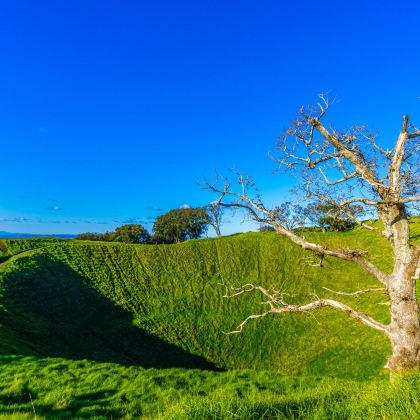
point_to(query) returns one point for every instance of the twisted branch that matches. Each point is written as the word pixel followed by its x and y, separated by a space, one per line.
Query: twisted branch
pixel 277 305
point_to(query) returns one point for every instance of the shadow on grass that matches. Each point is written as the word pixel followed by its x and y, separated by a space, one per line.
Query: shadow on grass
pixel 49 310
pixel 3 259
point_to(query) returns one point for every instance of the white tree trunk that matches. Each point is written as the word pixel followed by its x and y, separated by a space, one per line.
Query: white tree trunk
pixel 404 329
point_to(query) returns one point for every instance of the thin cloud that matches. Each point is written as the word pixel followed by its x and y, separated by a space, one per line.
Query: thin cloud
pixel 134 220
pixel 94 222
pixel 53 208
pixel 14 220
pixel 153 208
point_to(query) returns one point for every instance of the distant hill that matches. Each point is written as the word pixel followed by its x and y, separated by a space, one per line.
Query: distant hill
pixel 35 235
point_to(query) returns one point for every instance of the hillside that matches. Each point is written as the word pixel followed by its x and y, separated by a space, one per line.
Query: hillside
pixel 162 307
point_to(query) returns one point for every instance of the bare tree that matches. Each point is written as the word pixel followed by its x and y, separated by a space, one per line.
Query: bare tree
pixel 343 169
pixel 290 215
pixel 215 214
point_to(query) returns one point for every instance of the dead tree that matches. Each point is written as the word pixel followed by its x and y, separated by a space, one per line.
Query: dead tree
pixel 215 214
pixel 290 215
pixel 348 170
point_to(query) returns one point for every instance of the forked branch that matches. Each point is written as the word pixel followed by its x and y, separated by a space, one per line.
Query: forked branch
pixel 278 305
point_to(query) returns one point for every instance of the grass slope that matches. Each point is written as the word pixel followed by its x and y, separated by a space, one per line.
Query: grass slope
pixel 53 388
pixel 81 321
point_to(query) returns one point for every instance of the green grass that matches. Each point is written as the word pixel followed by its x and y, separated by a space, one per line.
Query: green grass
pixel 9 247
pixel 52 388
pixel 100 329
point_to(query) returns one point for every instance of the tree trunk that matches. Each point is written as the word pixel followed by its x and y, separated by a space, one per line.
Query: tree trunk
pixel 404 329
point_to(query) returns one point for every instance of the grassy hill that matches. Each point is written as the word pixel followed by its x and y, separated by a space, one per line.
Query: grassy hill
pixel 95 318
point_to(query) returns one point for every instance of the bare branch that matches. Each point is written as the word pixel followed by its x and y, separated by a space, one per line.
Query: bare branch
pixel 409 199
pixel 359 200
pixel 414 134
pixel 278 306
pixel 349 255
pixel 383 152
pixel 352 155
pixel 244 322
pixel 357 292
pixel 338 181
pixel 398 158
pixel 345 209
pixel 262 215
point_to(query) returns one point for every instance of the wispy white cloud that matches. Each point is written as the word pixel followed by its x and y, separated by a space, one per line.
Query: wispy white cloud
pixel 133 220
pixel 53 208
pixel 153 208
pixel 54 204
pixel 14 220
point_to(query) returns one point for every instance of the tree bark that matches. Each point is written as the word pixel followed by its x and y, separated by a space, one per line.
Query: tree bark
pixel 404 328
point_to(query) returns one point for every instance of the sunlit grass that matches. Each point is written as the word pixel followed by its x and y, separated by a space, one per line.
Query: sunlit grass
pixel 62 388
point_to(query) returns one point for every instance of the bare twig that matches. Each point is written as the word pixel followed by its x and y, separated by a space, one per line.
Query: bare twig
pixel 357 292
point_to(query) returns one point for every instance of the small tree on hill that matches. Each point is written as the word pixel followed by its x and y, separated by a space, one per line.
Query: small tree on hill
pixel 96 236
pixel 328 217
pixel 180 224
pixel 131 234
pixel 290 215
pixel 90 236
pixel 266 228
pixel 342 169
pixel 215 214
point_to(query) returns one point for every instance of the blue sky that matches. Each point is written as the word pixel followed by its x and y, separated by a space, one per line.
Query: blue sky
pixel 113 111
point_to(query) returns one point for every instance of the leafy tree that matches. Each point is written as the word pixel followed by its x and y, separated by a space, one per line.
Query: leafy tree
pixel 90 236
pixel 266 228
pixel 180 224
pixel 131 234
pixel 329 217
pixel 342 168
pixel 107 236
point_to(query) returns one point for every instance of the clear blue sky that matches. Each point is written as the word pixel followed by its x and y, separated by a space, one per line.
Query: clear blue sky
pixel 112 111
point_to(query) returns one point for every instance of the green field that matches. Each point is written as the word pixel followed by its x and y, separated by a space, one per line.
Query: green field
pixel 111 330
